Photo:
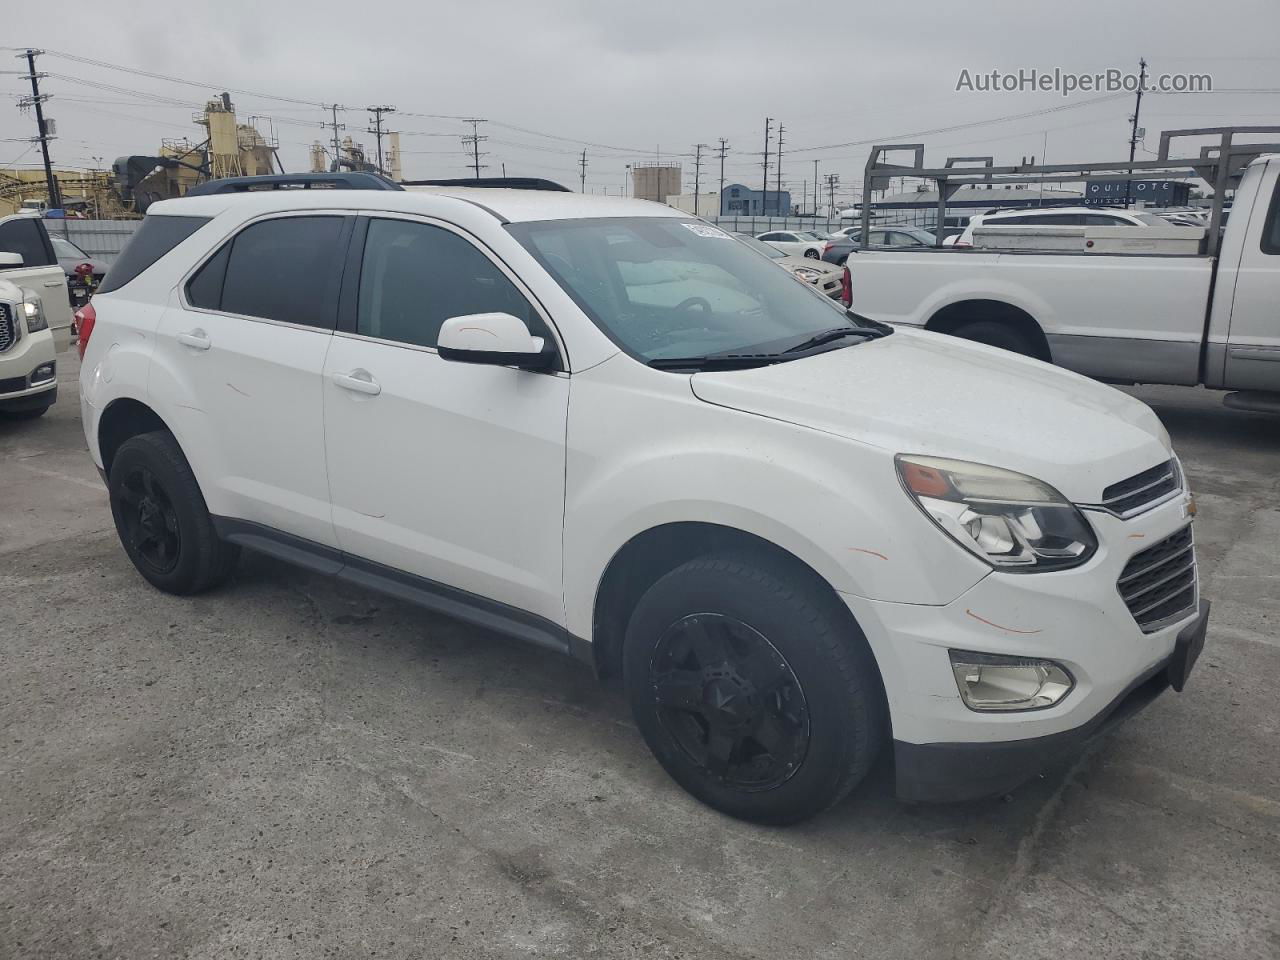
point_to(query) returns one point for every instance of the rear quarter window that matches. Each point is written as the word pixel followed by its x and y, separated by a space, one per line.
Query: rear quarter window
pixel 153 239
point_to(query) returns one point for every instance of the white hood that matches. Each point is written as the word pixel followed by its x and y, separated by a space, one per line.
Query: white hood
pixel 916 392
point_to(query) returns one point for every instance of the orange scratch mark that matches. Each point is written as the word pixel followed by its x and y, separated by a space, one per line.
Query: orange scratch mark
pixel 998 627
pixel 872 552
pixel 1137 536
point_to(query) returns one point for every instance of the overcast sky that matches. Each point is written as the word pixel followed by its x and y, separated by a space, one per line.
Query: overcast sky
pixel 635 80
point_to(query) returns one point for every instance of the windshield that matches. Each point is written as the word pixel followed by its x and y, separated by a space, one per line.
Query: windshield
pixel 661 287
pixel 65 248
pixel 772 252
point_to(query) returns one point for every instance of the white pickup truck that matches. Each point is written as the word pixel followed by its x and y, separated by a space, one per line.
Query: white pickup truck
pixel 1211 319
pixel 35 317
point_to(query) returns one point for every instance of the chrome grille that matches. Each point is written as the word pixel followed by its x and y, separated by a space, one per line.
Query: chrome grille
pixel 1144 490
pixel 8 332
pixel 1158 584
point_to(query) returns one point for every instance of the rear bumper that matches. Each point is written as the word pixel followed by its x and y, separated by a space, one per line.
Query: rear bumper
pixel 948 772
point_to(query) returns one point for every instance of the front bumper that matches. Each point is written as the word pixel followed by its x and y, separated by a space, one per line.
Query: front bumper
pixel 948 772
pixel 1076 618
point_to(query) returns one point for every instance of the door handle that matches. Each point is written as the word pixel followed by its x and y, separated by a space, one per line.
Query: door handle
pixel 55 283
pixel 196 339
pixel 358 381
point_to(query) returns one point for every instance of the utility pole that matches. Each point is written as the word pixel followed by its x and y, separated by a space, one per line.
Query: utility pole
pixel 764 185
pixel 1133 130
pixel 474 141
pixel 697 174
pixel 724 149
pixel 815 188
pixel 582 162
pixel 337 149
pixel 376 130
pixel 832 180
pixel 780 129
pixel 37 100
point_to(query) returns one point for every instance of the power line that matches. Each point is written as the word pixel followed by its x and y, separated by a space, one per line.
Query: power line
pixel 37 100
pixel 474 140
pixel 337 154
pixel 376 129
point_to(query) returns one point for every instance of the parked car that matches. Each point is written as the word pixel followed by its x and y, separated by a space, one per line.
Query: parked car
pixel 35 317
pixel 81 282
pixel 1184 318
pixel 795 535
pixel 1058 217
pixel 796 243
pixel 826 277
pixel 838 249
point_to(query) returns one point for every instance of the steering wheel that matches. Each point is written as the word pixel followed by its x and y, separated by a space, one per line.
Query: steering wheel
pixel 690 302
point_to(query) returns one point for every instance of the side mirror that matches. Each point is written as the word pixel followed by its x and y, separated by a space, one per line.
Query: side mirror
pixel 494 338
pixel 10 260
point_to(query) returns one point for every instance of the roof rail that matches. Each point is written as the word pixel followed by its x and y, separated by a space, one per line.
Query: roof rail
pixel 355 180
pixel 493 183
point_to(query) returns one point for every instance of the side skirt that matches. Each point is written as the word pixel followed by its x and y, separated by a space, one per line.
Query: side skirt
pixel 430 594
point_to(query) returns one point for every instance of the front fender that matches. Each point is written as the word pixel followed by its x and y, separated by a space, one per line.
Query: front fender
pixel 833 503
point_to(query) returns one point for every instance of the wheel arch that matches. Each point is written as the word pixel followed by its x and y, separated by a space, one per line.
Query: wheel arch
pixel 654 552
pixel 949 318
pixel 123 418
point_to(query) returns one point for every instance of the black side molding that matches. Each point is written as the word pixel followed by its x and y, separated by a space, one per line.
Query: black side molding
pixel 439 597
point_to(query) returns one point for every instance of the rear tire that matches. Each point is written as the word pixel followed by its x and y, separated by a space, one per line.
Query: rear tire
pixel 813 254
pixel 996 334
pixel 161 517
pixel 751 688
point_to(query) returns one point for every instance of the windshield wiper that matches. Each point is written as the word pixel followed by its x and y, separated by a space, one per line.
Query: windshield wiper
pixel 836 333
pixel 715 361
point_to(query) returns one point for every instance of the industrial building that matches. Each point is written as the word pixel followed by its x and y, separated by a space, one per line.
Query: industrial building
pixel 655 180
pixel 739 200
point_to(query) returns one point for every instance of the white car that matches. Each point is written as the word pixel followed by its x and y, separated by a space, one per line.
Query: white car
pixel 35 318
pixel 795 535
pixel 795 243
pixel 1057 217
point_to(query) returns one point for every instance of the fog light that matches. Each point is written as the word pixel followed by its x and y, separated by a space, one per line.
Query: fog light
pixel 990 682
pixel 42 373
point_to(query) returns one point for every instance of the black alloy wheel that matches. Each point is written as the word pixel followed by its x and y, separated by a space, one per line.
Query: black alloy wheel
pixel 149 520
pixel 730 701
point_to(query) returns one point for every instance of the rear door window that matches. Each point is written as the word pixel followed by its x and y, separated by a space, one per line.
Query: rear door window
pixel 152 240
pixel 23 236
pixel 287 269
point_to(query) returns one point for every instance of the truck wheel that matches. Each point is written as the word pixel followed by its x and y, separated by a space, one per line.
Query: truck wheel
pixel 996 334
pixel 751 689
pixel 161 517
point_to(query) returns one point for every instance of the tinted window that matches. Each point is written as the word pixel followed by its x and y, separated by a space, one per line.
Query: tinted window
pixel 1271 230
pixel 205 288
pixel 286 269
pixel 23 236
pixel 414 277
pixel 152 240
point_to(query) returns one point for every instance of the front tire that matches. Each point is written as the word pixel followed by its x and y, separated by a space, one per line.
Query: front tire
pixel 161 517
pixel 813 254
pixel 752 687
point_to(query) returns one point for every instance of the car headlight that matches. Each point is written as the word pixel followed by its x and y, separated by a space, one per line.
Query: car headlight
pixel 1012 521
pixel 33 311
pixel 808 275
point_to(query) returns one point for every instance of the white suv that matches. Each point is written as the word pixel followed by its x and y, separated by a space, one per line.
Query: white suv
pixel 796 535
